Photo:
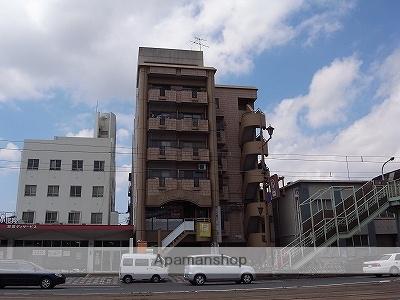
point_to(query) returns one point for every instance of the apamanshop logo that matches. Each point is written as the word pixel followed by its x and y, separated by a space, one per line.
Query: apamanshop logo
pixel 201 260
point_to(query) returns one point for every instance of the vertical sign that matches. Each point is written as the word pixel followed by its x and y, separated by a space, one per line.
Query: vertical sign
pixel 274 185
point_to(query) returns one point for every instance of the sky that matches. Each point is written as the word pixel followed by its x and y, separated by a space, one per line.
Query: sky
pixel 328 74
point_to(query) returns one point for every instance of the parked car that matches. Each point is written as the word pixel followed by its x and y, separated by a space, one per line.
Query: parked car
pixel 387 264
pixel 137 266
pixel 24 273
pixel 198 274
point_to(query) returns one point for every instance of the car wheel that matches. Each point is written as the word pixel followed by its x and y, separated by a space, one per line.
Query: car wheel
pixel 156 279
pixel 199 279
pixel 394 271
pixel 247 278
pixel 127 279
pixel 46 283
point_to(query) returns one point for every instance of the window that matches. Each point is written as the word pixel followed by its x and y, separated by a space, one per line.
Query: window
pixel 216 103
pixel 55 164
pixel 74 217
pixel 77 165
pixel 30 190
pixel 96 218
pixel 75 191
pixel 98 165
pixel 141 262
pixel 33 164
pixel 27 217
pixel 127 262
pixel 98 191
pixel 53 190
pixel 397 257
pixel 51 217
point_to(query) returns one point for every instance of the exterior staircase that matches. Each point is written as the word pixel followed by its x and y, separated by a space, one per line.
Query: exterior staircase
pixel 337 213
pixel 178 234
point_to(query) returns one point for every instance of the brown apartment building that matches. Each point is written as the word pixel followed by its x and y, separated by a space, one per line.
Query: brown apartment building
pixel 197 175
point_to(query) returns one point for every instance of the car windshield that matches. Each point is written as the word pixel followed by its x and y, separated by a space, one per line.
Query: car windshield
pixel 385 257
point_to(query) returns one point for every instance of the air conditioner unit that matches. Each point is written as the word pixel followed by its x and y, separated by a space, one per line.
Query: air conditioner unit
pixel 202 167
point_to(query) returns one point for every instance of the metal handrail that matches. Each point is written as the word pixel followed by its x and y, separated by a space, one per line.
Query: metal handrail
pixel 348 215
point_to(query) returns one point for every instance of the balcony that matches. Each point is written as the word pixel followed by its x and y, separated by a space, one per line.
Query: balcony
pixel 176 154
pixel 188 96
pixel 162 123
pixel 162 153
pixel 161 95
pixel 251 183
pixel 190 154
pixel 250 152
pixel 256 240
pixel 249 122
pixel 163 190
pixel 185 96
pixel 253 210
pixel 188 124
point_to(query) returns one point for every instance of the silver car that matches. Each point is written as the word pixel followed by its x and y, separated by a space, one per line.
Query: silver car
pixel 208 268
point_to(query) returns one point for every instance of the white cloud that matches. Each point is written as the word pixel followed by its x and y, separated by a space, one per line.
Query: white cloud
pixel 82 133
pixel 9 158
pixel 374 134
pixel 123 134
pixel 332 90
pixel 90 48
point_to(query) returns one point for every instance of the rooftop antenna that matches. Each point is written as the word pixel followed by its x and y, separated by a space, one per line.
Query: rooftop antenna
pixel 97 105
pixel 200 42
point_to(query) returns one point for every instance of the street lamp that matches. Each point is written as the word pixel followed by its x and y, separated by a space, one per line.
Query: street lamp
pixel 270 131
pixel 390 159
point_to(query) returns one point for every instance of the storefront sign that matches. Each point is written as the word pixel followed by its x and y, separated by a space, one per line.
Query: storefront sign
pixel 204 229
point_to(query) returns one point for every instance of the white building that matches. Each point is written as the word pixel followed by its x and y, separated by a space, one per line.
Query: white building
pixel 70 180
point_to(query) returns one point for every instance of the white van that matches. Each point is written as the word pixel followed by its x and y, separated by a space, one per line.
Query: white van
pixel 142 266
pixel 203 268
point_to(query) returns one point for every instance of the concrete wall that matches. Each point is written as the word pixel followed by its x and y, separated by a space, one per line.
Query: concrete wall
pixel 66 150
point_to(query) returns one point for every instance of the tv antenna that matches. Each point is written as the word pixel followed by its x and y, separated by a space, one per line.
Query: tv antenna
pixel 200 42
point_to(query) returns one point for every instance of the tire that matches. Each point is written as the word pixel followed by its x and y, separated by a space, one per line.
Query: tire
pixel 46 283
pixel 394 271
pixel 127 279
pixel 247 278
pixel 199 279
pixel 155 279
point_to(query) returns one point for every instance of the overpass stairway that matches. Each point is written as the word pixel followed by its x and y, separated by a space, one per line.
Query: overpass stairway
pixel 341 219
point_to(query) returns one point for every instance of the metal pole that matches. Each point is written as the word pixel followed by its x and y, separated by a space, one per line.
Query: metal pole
pixel 390 159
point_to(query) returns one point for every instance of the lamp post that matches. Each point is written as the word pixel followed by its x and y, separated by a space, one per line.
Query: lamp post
pixel 390 159
pixel 265 171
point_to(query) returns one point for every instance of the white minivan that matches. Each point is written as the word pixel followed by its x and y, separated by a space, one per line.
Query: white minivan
pixel 203 268
pixel 142 266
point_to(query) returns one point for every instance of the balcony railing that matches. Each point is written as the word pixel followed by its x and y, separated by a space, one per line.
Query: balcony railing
pixel 176 154
pixel 249 122
pixel 186 124
pixel 190 96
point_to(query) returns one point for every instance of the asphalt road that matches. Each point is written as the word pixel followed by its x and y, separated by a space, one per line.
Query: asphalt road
pixel 183 290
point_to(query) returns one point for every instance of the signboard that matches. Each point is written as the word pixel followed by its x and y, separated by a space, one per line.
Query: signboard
pixel 274 185
pixel 204 229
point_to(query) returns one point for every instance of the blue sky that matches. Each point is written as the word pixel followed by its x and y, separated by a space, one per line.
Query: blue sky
pixel 327 73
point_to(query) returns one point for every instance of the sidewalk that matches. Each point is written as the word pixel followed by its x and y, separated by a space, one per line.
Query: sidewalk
pixel 109 280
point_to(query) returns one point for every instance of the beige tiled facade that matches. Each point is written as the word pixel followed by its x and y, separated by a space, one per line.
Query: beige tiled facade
pixel 196 152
